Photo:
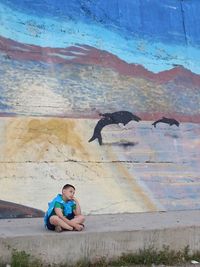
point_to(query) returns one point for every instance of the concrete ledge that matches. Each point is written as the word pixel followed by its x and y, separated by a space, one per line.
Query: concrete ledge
pixel 104 236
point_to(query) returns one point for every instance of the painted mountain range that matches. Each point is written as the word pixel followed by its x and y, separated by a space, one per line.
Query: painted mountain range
pixel 87 55
pixel 82 73
pixel 79 58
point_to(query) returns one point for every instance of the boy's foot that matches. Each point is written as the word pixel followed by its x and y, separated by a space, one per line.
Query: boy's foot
pixel 58 229
pixel 80 227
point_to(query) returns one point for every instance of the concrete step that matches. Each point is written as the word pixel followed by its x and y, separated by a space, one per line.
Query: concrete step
pixel 104 236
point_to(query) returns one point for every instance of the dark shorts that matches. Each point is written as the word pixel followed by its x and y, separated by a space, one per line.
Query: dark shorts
pixel 52 227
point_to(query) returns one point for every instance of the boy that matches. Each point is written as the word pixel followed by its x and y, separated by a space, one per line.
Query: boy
pixel 64 212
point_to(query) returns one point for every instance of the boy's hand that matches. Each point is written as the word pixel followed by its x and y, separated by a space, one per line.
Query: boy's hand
pixel 77 210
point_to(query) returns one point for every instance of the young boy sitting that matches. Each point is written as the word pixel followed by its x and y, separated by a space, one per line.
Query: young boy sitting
pixel 64 212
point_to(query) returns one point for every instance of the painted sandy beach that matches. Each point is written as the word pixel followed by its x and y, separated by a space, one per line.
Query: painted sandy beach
pixel 140 168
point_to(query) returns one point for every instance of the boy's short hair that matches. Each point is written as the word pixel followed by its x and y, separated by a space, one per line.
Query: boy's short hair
pixel 67 186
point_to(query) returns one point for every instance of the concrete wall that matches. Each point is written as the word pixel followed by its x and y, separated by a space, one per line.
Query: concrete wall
pixel 64 63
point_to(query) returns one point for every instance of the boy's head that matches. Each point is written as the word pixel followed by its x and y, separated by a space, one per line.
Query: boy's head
pixel 68 191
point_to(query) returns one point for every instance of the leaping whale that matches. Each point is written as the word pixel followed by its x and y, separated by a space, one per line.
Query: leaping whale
pixel 168 121
pixel 123 117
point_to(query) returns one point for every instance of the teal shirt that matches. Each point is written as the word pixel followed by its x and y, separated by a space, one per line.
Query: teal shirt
pixel 61 206
pixel 67 207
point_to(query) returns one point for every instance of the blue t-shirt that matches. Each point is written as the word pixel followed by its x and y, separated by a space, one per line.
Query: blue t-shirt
pixel 67 209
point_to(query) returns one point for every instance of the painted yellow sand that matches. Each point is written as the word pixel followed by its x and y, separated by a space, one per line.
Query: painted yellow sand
pixel 39 155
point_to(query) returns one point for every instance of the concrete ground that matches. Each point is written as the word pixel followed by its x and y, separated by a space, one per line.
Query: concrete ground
pixel 104 236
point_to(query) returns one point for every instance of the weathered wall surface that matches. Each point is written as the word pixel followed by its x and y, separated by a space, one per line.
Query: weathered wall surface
pixel 64 63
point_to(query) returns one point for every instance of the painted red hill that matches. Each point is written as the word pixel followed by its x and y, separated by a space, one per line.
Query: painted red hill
pixel 13 210
pixel 84 54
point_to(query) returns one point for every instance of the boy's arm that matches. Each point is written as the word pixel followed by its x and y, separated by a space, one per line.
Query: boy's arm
pixel 77 211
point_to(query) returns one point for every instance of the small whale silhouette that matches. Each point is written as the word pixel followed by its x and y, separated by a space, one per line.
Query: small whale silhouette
pixel 168 121
pixel 123 117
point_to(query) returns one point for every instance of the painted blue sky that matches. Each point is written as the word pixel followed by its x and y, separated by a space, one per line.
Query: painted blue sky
pixel 156 34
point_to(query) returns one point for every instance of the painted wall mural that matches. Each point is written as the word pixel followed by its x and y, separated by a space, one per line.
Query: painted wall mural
pixel 104 95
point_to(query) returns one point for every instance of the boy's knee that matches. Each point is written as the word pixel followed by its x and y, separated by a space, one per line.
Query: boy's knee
pixel 54 219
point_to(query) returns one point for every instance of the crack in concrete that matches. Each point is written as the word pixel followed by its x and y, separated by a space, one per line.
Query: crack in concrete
pixel 98 162
pixel 69 160
pixel 108 206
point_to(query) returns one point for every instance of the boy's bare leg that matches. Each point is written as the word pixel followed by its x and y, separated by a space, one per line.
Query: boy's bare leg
pixel 78 219
pixel 55 220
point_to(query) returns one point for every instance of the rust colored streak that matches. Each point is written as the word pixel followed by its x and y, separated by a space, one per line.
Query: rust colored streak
pixel 21 133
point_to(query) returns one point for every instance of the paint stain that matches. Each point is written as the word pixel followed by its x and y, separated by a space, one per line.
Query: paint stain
pixel 43 133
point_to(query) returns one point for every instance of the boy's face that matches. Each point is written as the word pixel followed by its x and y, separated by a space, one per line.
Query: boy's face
pixel 68 193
